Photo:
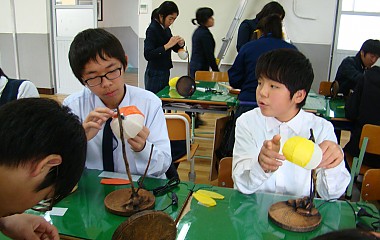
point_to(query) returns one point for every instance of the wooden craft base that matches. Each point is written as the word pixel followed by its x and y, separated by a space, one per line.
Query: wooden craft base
pixel 115 202
pixel 286 217
pixel 147 225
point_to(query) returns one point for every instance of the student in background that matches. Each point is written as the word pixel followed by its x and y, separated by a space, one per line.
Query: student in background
pixel 362 108
pixel 248 26
pixel 202 54
pixel 158 45
pixel 12 89
pixel 351 69
pixel 98 60
pixel 242 73
pixel 42 155
pixel 285 77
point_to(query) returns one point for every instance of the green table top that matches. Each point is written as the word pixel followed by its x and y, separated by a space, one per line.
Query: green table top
pixel 330 109
pixel 240 216
pixel 225 98
pixel 87 217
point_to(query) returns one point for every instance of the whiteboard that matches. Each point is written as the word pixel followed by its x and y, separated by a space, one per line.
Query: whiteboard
pixel 71 21
pixel 224 12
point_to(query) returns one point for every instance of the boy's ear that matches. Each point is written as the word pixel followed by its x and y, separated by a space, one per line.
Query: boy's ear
pixel 46 164
pixel 299 96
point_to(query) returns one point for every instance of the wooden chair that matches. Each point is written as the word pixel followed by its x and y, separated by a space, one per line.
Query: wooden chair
pixel 369 143
pixel 211 76
pixel 328 89
pixel 225 173
pixel 370 186
pixel 178 125
pixel 325 88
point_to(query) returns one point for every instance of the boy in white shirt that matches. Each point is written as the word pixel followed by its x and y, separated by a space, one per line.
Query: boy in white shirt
pixel 284 80
pixel 98 60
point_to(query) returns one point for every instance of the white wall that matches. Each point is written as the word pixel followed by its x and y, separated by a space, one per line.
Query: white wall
pixel 32 16
pixel 6 25
pixel 120 13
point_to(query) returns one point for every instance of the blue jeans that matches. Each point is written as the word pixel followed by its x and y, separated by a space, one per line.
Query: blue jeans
pixel 156 80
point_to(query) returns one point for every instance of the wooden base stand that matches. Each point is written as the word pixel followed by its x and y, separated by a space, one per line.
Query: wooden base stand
pixel 147 225
pixel 288 218
pixel 117 202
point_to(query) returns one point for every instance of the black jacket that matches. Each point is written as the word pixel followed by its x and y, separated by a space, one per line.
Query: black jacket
pixel 350 71
pixel 245 32
pixel 202 54
pixel 363 107
pixel 154 51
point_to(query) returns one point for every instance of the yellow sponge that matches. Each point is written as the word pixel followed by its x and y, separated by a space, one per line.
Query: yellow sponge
pixel 211 194
pixel 204 199
pixel 173 82
pixel 302 152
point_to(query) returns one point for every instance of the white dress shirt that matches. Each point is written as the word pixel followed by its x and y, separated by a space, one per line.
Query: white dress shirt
pixel 252 129
pixel 83 102
pixel 25 90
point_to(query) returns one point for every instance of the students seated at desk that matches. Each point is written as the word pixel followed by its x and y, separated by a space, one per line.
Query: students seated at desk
pixel 362 108
pixel 42 155
pixel 98 60
pixel 248 26
pixel 12 89
pixel 351 70
pixel 285 77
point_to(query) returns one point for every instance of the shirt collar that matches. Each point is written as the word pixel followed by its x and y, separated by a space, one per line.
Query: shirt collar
pixel 295 123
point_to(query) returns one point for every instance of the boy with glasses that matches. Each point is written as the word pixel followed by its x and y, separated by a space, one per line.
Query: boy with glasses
pixel 42 156
pixel 98 60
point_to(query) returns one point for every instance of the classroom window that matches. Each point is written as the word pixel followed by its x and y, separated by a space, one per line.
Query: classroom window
pixel 359 21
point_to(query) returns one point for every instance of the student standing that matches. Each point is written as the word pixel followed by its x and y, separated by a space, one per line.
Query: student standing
pixel 285 77
pixel 248 26
pixel 203 43
pixel 158 45
pixel 42 155
pixel 351 70
pixel 98 60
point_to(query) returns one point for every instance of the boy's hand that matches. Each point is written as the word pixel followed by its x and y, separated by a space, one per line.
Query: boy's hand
pixel 269 156
pixel 95 120
pixel 138 143
pixel 28 227
pixel 332 154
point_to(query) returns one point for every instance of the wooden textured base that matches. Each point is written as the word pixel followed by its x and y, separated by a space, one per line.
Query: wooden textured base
pixel 116 202
pixel 287 218
pixel 147 225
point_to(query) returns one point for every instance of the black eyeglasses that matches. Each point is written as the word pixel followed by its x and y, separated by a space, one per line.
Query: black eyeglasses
pixel 47 204
pixel 95 81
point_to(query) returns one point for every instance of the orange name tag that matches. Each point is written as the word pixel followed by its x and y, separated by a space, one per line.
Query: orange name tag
pixel 114 181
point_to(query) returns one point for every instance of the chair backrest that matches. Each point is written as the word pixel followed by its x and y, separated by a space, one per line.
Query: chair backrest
pixel 178 125
pixel 372 133
pixel 225 173
pixel 325 88
pixel 329 89
pixel 370 186
pixel 211 76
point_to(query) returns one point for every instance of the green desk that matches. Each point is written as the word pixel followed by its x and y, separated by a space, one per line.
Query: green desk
pixel 87 217
pixel 240 216
pixel 200 101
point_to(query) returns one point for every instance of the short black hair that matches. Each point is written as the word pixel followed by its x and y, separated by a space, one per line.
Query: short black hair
pixel 371 46
pixel 166 8
pixel 89 44
pixel 271 8
pixel 34 128
pixel 271 25
pixel 202 15
pixel 289 67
